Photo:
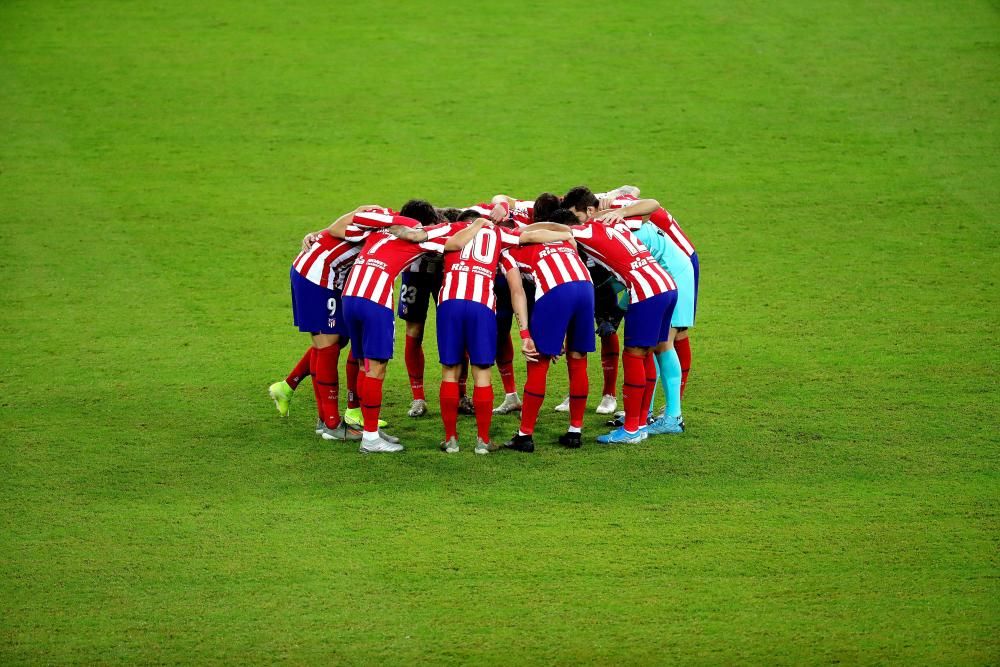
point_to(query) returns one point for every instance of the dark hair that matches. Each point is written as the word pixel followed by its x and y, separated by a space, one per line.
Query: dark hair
pixel 545 203
pixel 563 216
pixel 450 214
pixel 421 211
pixel 579 198
pixel 468 214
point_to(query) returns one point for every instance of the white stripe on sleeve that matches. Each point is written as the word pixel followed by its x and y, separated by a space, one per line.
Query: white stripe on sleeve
pixel 683 242
pixel 377 219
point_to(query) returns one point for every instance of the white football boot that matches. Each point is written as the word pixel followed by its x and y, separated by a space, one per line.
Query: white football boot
pixel 511 403
pixel 485 447
pixel 378 445
pixel 607 406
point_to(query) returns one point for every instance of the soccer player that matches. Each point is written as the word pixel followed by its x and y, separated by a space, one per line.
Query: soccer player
pixel 467 318
pixel 608 314
pixel 368 297
pixel 564 311
pixel 419 286
pixel 686 273
pixel 516 213
pixel 317 278
pixel 671 257
pixel 652 295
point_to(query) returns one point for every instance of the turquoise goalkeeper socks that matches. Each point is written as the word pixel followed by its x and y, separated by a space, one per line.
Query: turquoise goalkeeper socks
pixel 670 373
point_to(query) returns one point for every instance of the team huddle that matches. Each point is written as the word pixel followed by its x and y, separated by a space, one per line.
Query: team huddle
pixel 560 267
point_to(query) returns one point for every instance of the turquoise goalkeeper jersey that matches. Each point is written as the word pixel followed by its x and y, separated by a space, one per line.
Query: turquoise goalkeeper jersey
pixel 664 251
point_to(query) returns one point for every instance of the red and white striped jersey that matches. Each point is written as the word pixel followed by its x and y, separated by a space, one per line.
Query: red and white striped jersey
pixel 547 264
pixel 327 261
pixel 366 222
pixel 618 250
pixel 382 258
pixel 522 215
pixel 469 272
pixel 482 209
pixel 662 219
pixel 665 222
pixel 524 212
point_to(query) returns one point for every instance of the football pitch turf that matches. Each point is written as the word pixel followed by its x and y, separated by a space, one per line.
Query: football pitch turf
pixel 835 498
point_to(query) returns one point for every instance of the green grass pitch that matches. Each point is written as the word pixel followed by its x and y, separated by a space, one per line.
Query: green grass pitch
pixel 835 499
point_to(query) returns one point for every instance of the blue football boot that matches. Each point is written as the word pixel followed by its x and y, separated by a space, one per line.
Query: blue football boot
pixel 620 437
pixel 666 425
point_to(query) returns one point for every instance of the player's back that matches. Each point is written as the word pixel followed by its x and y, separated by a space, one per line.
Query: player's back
pixel 326 261
pixel 523 212
pixel 469 272
pixel 663 249
pixel 620 251
pixel 382 258
pixel 548 264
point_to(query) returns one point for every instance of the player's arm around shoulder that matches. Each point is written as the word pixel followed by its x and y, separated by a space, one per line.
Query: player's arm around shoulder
pixel 339 228
pixel 638 208
pixel 545 232
pixel 502 206
pixel 411 234
pixel 458 240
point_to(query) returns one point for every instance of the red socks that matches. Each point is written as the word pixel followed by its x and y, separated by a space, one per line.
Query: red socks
pixel 579 386
pixel 505 362
pixel 482 400
pixel 610 354
pixel 463 377
pixel 371 401
pixel 633 388
pixel 325 383
pixel 352 382
pixel 449 408
pixel 534 393
pixel 317 389
pixel 414 356
pixel 647 396
pixel 301 370
pixel 683 348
